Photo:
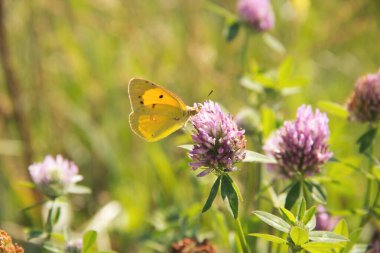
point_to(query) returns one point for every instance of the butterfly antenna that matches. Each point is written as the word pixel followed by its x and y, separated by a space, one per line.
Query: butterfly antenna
pixel 210 93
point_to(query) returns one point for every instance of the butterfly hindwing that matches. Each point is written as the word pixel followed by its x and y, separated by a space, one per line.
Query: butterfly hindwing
pixel 153 125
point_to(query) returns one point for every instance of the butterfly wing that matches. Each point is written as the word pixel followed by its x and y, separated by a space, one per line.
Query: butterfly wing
pixel 144 93
pixel 153 125
pixel 157 112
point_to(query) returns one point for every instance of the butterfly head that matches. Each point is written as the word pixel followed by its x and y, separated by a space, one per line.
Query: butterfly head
pixel 192 110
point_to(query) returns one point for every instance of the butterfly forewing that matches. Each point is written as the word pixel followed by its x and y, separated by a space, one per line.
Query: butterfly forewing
pixel 143 93
pixel 156 112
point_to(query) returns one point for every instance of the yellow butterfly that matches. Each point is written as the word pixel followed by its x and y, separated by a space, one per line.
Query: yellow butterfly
pixel 156 112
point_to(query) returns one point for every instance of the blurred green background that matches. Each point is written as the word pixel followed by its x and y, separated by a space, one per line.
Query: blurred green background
pixel 74 58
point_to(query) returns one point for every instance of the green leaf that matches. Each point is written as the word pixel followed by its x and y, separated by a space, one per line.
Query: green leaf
pixel 212 195
pixel 376 172
pixel 292 196
pixel 268 119
pixel 309 215
pixel 51 248
pixel 307 188
pixel 89 240
pixel 359 248
pixel 188 147
pixel 285 71
pixel 354 237
pixel 35 234
pixel 320 247
pixel 318 194
pixel 240 197
pixel 57 215
pixel 301 209
pixel 273 221
pixel 274 43
pixel 270 238
pixel 229 192
pixel 232 30
pixel 299 235
pixel 34 206
pixel 251 156
pixel 246 82
pixel 326 236
pixel 311 224
pixel 289 217
pixel 215 8
pixel 341 228
pixel 333 109
pixel 366 139
pixel 79 189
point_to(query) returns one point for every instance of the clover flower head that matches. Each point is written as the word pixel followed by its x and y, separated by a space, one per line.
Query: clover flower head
pixel 74 246
pixel 257 13
pixel 6 244
pixel 325 221
pixel 219 144
pixel 54 176
pixel 364 103
pixel 300 147
pixel 190 245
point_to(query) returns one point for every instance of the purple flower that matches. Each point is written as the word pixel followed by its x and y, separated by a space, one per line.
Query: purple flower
pixel 219 144
pixel 324 221
pixel 54 176
pixel 257 13
pixel 74 246
pixel 300 147
pixel 364 103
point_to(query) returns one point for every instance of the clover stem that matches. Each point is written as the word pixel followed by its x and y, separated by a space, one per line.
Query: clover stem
pixel 244 51
pixel 242 239
pixel 368 193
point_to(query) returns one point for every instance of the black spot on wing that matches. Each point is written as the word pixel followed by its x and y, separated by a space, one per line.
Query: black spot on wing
pixel 161 96
pixel 153 105
pixel 142 102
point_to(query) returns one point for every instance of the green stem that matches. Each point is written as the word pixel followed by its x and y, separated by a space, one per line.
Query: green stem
pixel 278 248
pixel 244 52
pixel 305 193
pixel 242 239
pixel 368 193
pixel 377 196
pixel 49 221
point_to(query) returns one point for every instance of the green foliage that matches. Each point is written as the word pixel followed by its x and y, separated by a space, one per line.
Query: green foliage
pixel 300 230
pixel 252 156
pixel 366 139
pixel 334 109
pixel 73 60
pixel 89 240
pixel 229 193
pixel 212 195
pixel 232 30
